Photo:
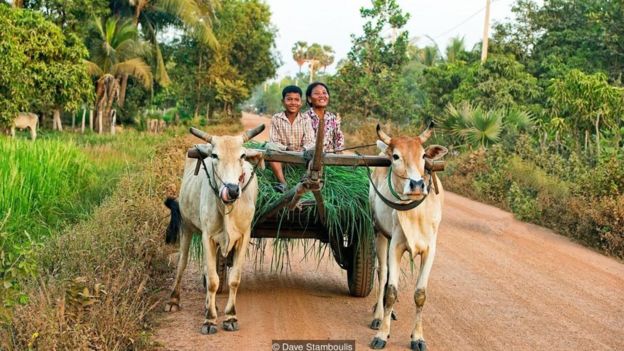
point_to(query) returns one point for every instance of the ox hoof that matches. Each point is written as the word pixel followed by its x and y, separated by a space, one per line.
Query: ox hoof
pixel 230 325
pixel 393 315
pixel 208 328
pixel 377 343
pixel 375 324
pixel 418 345
pixel 172 307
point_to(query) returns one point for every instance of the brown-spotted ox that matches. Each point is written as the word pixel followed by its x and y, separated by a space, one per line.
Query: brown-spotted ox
pixel 219 202
pixel 25 120
pixel 407 213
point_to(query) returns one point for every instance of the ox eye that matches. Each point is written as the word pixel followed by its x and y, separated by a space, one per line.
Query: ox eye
pixel 214 156
pixel 395 157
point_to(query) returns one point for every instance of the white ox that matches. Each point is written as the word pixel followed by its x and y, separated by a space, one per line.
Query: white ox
pixel 25 120
pixel 413 230
pixel 219 202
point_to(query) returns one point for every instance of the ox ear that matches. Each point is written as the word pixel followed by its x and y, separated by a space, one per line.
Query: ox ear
pixel 435 152
pixel 382 146
pixel 255 157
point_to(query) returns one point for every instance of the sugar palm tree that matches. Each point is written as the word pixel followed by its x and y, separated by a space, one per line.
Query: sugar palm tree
pixel 299 51
pixel 473 126
pixel 116 52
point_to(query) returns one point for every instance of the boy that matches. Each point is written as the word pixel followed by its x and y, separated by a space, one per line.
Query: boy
pixel 290 130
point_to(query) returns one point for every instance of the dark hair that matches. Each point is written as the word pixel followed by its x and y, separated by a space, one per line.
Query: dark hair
pixel 311 87
pixel 291 89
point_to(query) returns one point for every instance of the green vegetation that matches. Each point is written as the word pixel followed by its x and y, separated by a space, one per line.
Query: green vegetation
pixel 53 183
pixel 40 66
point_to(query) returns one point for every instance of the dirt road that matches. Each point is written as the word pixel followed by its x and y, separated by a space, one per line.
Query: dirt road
pixel 497 284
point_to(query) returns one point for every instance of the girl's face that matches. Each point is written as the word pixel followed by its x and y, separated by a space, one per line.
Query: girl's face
pixel 319 97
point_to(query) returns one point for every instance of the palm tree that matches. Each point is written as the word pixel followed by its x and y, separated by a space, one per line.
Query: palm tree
pixel 454 48
pixel 472 125
pixel 327 58
pixel 195 15
pixel 428 55
pixel 116 52
pixel 299 53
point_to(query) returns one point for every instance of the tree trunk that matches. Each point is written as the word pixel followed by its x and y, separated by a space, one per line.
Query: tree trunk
pixel 114 121
pixel 99 118
pixel 57 120
pixel 84 115
pixel 598 135
pixel 91 113
pixel 73 120
pixel 122 92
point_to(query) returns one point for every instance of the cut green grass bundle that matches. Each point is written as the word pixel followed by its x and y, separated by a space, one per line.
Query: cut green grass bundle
pixel 348 215
pixel 347 210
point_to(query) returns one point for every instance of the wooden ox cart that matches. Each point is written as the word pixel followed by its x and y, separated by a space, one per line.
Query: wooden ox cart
pixel 353 252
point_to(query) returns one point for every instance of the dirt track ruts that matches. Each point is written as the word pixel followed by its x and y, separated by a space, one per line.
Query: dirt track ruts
pixel 497 284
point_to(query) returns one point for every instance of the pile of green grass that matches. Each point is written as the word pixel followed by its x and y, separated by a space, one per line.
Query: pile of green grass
pixel 347 210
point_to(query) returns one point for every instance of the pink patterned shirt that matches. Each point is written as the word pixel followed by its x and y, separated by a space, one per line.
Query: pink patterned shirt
pixel 334 138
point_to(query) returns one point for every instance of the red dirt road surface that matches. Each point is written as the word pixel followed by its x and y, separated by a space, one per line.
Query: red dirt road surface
pixel 496 284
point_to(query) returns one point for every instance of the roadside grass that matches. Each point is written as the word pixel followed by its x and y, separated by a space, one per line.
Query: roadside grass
pixel 50 184
pixel 98 280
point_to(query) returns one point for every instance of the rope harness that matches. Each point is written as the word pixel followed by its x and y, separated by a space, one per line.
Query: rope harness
pixel 397 205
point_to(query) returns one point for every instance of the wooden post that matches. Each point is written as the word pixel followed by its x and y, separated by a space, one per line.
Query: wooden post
pixel 486 28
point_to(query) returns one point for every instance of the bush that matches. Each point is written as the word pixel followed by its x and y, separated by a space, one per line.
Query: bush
pixel 583 203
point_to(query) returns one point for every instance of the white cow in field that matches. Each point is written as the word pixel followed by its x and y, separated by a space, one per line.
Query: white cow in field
pixel 407 211
pixel 219 202
pixel 25 120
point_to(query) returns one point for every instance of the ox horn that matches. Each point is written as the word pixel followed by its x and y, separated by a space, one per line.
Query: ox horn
pixel 427 132
pixel 248 135
pixel 201 134
pixel 383 136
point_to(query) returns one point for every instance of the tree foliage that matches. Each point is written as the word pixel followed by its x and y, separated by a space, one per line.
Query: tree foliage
pixel 224 76
pixel 40 67
pixel 366 83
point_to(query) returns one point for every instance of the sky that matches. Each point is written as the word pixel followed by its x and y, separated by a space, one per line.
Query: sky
pixel 331 22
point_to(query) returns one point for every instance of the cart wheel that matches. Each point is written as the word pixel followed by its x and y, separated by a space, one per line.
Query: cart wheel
pixel 361 270
pixel 222 271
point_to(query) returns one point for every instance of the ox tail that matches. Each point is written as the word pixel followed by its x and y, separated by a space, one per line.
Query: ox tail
pixel 173 230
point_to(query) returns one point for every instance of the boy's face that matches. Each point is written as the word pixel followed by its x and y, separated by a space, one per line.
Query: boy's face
pixel 292 102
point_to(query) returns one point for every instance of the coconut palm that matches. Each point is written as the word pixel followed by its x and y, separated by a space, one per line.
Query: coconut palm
pixel 195 15
pixel 116 52
pixel 454 48
pixel 428 55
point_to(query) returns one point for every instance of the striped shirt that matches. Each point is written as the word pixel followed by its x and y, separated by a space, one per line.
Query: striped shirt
pixel 334 138
pixel 295 136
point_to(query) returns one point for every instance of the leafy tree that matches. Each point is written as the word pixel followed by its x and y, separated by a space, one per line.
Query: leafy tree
pixel 585 35
pixel 71 15
pixel 40 67
pixel 224 76
pixel 588 102
pixel 366 84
